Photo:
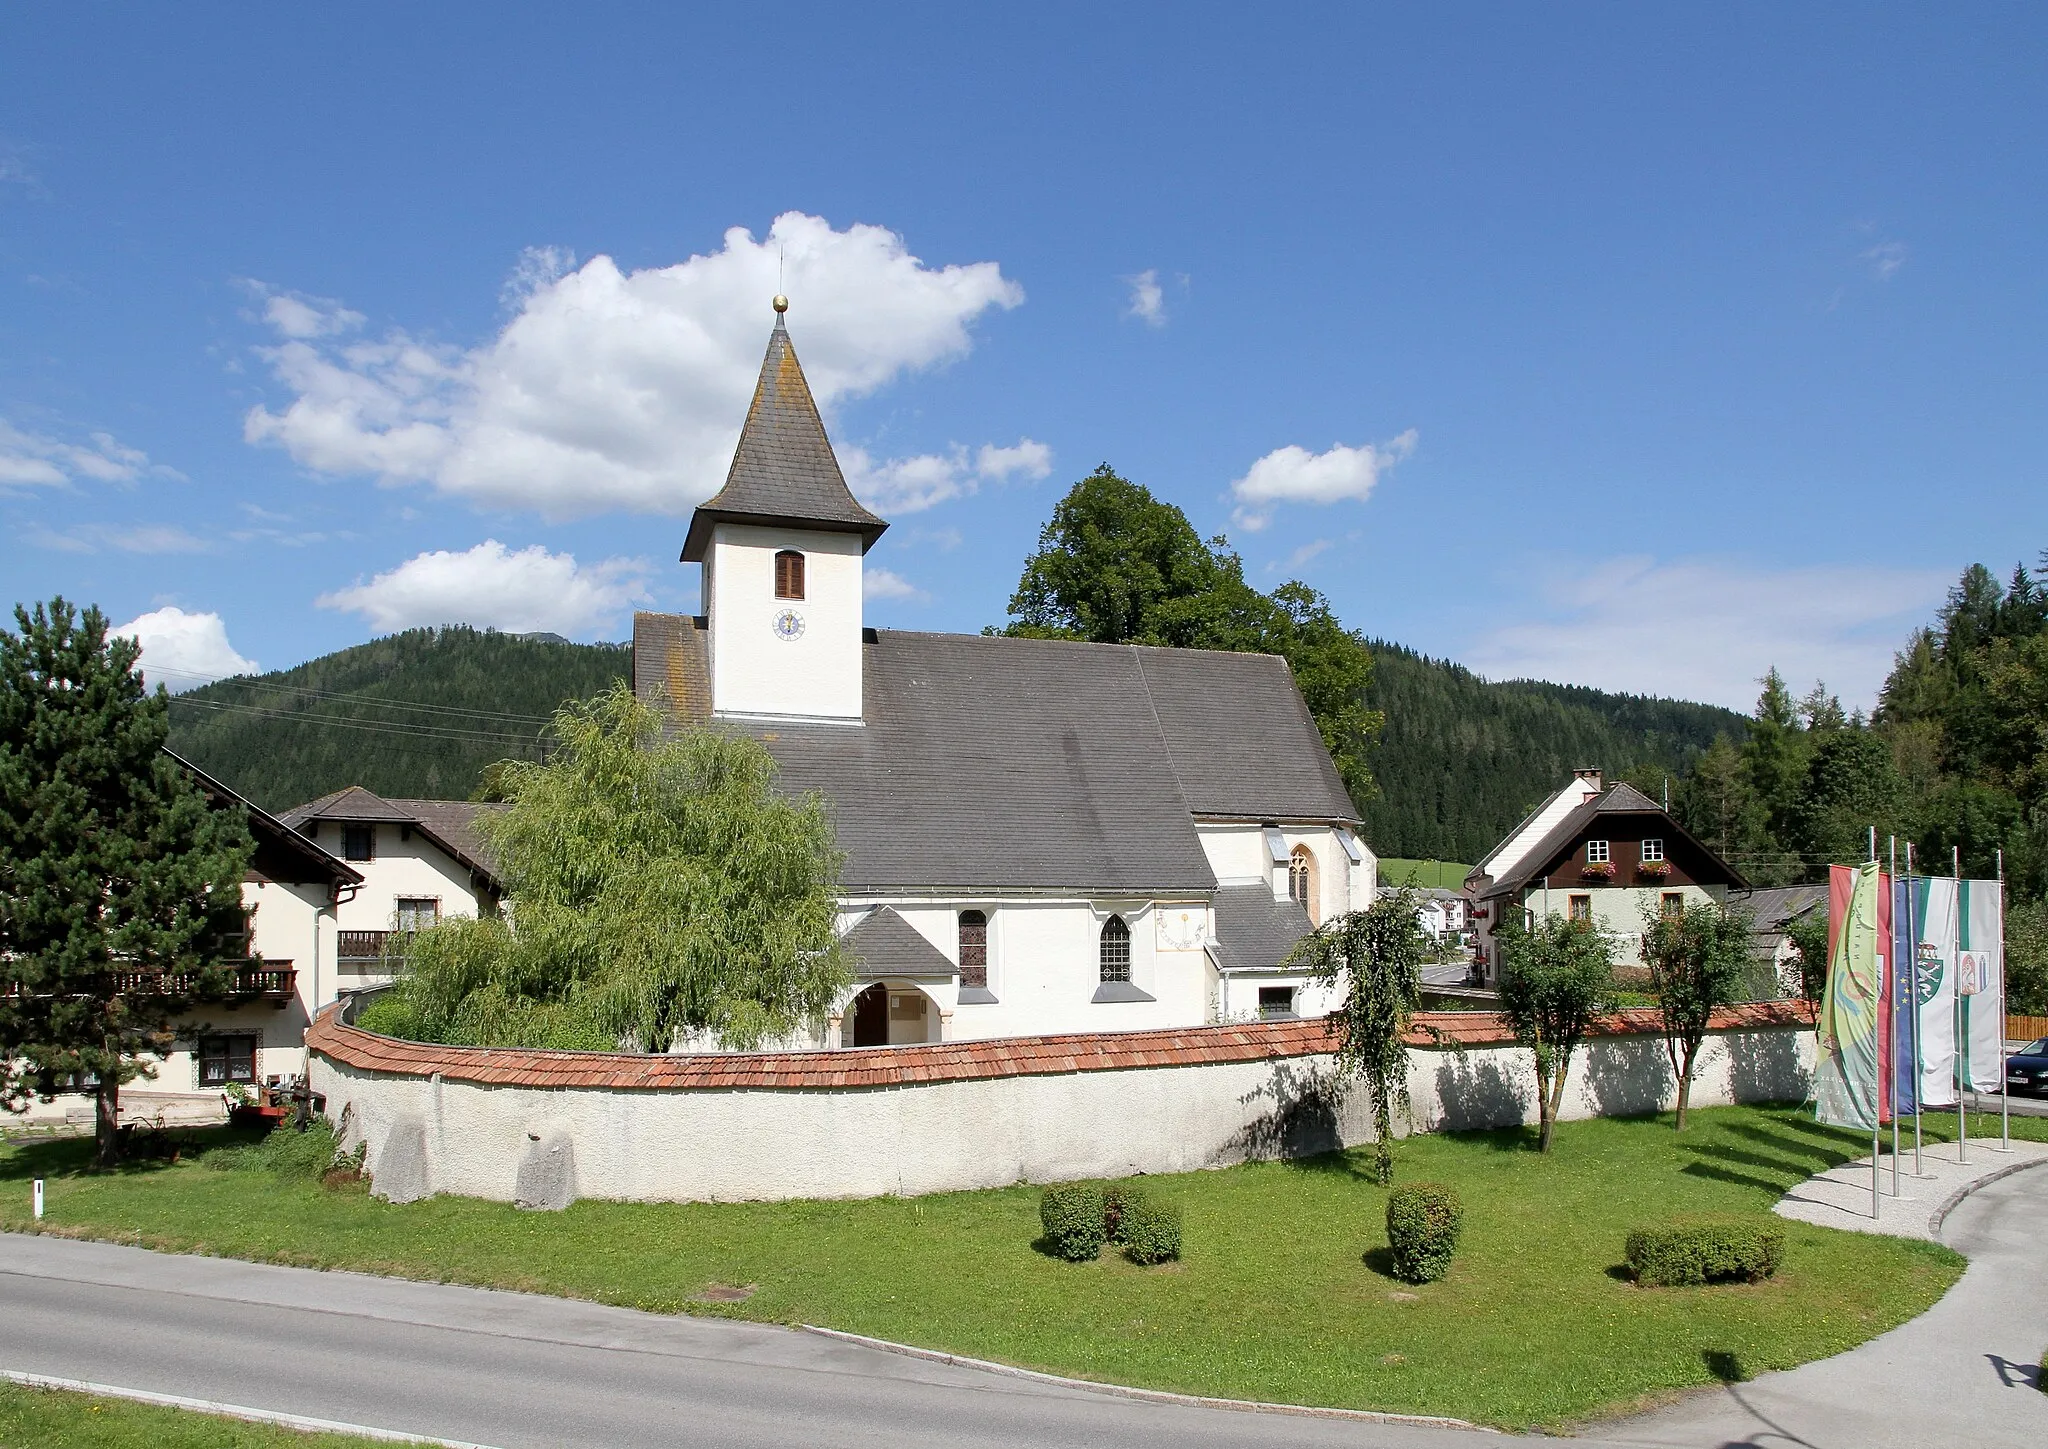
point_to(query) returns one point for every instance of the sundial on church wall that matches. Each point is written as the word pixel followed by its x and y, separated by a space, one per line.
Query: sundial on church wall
pixel 1183 926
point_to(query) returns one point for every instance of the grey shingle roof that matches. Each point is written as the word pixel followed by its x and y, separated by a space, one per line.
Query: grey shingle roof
pixel 989 762
pixel 783 468
pixel 351 802
pixel 882 943
pixel 1253 930
pixel 1778 906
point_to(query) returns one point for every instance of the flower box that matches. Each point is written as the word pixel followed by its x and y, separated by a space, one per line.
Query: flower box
pixel 1598 870
pixel 1653 870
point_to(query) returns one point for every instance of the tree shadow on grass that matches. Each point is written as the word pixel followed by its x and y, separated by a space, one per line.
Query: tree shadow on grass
pixel 53 1157
pixel 1354 1164
pixel 1827 1152
pixel 1795 1171
pixel 1739 1179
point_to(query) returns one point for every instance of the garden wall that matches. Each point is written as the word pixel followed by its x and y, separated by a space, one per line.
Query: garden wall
pixel 544 1128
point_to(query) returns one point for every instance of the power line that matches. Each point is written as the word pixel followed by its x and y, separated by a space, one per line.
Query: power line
pixel 381 727
pixel 371 700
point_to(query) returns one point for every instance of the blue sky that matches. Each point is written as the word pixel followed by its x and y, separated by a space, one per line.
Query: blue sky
pixel 1630 346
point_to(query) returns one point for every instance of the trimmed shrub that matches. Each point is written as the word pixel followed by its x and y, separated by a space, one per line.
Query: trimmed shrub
pixel 1689 1251
pixel 1151 1229
pixel 1072 1216
pixel 1117 1200
pixel 1423 1221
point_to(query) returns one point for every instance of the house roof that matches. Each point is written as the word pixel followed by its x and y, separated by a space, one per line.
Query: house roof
pixel 1253 930
pixel 1776 907
pixel 783 470
pixel 1619 799
pixel 989 762
pixel 282 853
pixel 882 943
pixel 450 824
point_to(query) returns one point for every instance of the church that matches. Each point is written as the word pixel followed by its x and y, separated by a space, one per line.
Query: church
pixel 1040 836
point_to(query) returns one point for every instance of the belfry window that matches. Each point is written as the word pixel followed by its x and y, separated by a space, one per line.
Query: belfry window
pixel 789 574
pixel 1115 950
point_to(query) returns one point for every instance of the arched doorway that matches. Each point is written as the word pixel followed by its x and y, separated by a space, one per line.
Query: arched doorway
pixel 870 1012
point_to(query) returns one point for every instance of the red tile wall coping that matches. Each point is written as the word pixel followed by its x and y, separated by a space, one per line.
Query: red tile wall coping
pixel 1024 1056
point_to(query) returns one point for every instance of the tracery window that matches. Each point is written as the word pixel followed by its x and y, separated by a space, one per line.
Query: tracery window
pixel 1301 879
pixel 1114 950
pixel 973 949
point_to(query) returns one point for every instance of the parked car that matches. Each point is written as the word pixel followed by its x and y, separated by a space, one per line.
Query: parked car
pixel 2026 1070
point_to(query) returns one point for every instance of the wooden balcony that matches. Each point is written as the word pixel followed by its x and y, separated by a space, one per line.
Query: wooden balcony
pixel 272 981
pixel 361 949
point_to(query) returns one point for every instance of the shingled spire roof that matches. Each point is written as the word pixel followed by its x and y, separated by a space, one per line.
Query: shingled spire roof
pixel 783 470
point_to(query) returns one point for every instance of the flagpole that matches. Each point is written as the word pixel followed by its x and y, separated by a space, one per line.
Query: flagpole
pixel 2004 1077
pixel 1891 951
pixel 1919 1075
pixel 1962 1019
pixel 1877 1102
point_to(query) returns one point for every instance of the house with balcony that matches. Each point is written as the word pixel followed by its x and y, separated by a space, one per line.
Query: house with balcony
pixel 1603 854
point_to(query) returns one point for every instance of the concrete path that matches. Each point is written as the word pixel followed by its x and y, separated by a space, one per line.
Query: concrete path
pixel 512 1370
pixel 1910 1204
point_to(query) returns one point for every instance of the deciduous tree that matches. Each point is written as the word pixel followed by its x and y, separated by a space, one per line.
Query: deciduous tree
pixel 1698 957
pixel 1556 978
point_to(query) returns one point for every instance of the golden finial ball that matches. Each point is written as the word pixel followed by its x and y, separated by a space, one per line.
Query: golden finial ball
pixel 781 303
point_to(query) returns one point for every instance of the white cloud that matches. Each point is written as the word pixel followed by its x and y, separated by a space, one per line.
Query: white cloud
pixel 38 460
pixel 1148 299
pixel 492 587
pixel 300 317
pixel 1308 552
pixel 1707 629
pixel 147 538
pixel 1885 259
pixel 1295 475
pixel 883 584
pixel 911 485
pixel 622 390
pixel 181 650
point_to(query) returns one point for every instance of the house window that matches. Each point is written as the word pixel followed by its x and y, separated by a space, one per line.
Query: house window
pixel 1114 950
pixel 789 574
pixel 1276 1001
pixel 974 949
pixel 358 842
pixel 1301 879
pixel 1653 850
pixel 225 1059
pixel 1671 903
pixel 416 913
pixel 52 1083
pixel 1597 852
pixel 1582 908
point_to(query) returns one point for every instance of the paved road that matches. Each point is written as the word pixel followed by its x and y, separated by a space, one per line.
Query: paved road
pixel 512 1370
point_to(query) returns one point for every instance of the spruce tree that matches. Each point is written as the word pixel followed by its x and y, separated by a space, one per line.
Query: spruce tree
pixel 120 881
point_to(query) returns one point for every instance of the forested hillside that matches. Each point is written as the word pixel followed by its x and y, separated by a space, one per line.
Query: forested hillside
pixel 415 714
pixel 1461 758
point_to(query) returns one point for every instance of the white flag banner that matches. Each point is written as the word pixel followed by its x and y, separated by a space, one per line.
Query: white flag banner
pixel 1980 973
pixel 1934 985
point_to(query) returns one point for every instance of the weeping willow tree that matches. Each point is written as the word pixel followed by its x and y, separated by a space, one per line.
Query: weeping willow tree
pixel 657 889
pixel 1376 955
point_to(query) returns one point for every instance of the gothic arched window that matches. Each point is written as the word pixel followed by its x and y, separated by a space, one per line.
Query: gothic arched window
pixel 973 949
pixel 1301 879
pixel 1114 950
pixel 789 574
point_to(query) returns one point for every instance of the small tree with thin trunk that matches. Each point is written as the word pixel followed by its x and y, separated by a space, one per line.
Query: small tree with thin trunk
pixel 1376 954
pixel 1556 978
pixel 120 881
pixel 1698 956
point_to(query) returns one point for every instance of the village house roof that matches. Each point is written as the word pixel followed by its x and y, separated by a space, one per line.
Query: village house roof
pixel 783 471
pixel 992 763
pixel 1254 931
pixel 1619 800
pixel 449 824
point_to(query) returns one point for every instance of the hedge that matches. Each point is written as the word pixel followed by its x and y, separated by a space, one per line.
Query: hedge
pixel 1689 1251
pixel 1151 1229
pixel 1072 1216
pixel 1423 1221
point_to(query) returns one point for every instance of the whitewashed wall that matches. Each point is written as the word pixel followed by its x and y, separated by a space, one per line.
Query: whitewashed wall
pixel 753 669
pixel 547 1146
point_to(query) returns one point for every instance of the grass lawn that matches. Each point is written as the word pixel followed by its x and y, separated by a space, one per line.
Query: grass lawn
pixel 1443 874
pixel 1282 1295
pixel 56 1419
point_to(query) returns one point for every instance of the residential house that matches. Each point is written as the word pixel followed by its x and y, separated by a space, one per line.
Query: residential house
pixel 1040 836
pixel 1605 854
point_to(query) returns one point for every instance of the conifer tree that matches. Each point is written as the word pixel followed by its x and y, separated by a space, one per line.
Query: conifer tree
pixel 120 882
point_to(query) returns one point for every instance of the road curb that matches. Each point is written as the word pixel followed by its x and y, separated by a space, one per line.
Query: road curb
pixel 230 1411
pixel 1955 1199
pixel 1150 1396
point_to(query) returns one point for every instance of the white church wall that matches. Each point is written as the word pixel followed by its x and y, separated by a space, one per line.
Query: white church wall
pixel 754 668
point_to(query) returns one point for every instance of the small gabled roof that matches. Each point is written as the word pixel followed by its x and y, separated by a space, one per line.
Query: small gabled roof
pixel 1254 931
pixel 783 471
pixel 882 943
pixel 449 824
pixel 1620 799
pixel 351 802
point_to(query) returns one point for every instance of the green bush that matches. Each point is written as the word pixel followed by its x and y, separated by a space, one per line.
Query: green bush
pixel 1117 1200
pixel 1689 1251
pixel 1072 1216
pixel 283 1151
pixel 1423 1221
pixel 1151 1229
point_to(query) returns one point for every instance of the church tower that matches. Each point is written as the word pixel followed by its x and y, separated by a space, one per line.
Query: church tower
pixel 781 544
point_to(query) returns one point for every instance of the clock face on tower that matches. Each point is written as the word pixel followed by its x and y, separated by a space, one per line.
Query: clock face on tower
pixel 789 624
